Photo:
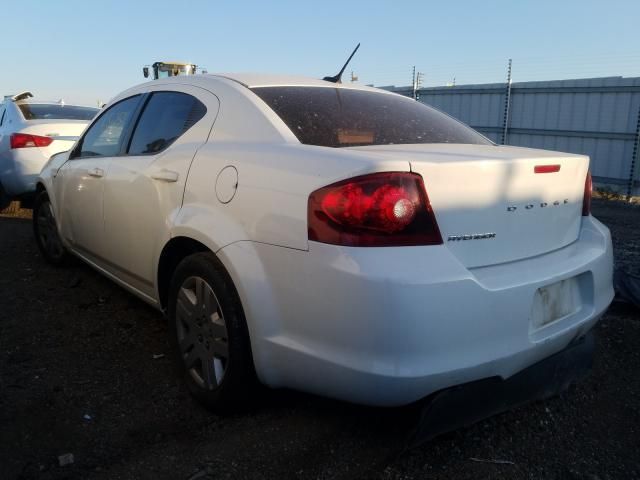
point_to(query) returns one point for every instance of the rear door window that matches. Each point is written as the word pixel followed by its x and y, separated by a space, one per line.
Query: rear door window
pixel 166 116
pixel 342 117
pixel 105 136
pixel 35 111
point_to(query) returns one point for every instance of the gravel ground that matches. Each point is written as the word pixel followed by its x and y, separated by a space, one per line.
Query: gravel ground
pixel 84 369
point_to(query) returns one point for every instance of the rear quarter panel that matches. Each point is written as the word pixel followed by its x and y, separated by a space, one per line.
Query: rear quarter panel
pixel 274 183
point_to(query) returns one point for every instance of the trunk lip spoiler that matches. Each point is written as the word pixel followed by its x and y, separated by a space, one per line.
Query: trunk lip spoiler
pixel 19 96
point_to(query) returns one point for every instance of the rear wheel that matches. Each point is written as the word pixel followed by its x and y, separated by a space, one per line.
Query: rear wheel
pixel 210 335
pixel 45 230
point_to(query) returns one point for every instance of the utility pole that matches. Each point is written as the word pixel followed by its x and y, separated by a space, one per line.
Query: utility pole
pixel 634 159
pixel 419 76
pixel 354 78
pixel 416 83
pixel 507 108
pixel 413 83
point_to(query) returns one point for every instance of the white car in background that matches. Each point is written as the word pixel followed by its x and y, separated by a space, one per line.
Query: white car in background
pixel 336 239
pixel 30 132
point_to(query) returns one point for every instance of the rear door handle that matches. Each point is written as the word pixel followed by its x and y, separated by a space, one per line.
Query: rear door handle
pixel 96 172
pixel 165 176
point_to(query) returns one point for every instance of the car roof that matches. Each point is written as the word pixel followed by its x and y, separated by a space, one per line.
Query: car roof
pixel 254 80
pixel 265 80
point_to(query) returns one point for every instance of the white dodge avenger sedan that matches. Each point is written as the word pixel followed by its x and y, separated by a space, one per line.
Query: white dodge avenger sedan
pixel 335 239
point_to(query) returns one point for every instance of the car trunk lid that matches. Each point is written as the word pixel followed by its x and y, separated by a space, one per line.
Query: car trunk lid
pixel 64 134
pixel 491 204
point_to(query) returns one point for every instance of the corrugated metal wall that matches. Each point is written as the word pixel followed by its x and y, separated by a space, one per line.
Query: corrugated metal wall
pixel 597 117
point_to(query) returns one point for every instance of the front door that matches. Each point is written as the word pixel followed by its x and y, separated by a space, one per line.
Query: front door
pixel 83 176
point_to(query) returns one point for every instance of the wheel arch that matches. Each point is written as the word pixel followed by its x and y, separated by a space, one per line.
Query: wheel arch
pixel 29 200
pixel 174 251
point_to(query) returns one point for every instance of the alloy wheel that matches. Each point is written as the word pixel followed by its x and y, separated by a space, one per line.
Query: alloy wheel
pixel 202 333
pixel 48 231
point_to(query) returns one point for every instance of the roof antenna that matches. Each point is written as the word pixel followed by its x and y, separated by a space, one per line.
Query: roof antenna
pixel 338 78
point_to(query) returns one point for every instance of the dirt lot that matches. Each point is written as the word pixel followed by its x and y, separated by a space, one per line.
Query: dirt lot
pixel 82 371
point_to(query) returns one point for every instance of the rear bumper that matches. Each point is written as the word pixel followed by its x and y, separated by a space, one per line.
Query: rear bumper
pixel 21 171
pixel 390 326
pixel 466 404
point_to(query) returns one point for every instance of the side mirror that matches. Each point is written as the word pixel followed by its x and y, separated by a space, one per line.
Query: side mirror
pixel 145 72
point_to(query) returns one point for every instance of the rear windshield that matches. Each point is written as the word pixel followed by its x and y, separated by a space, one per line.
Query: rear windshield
pixel 340 117
pixel 35 111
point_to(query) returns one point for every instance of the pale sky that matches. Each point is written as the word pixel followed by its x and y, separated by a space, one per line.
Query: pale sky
pixel 84 52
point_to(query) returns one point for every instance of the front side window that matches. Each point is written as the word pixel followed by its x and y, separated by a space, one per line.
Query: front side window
pixel 35 111
pixel 104 138
pixel 341 117
pixel 166 116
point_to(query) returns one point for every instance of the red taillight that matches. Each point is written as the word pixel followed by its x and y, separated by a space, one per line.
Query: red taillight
pixel 23 140
pixel 586 200
pixel 377 210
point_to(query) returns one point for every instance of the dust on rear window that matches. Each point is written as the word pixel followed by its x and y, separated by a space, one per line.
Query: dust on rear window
pixel 35 111
pixel 340 117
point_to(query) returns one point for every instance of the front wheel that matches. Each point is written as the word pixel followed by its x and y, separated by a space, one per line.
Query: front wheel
pixel 45 230
pixel 5 200
pixel 210 335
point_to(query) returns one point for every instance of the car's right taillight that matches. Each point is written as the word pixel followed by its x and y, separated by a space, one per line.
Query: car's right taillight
pixel 24 140
pixel 377 210
pixel 586 200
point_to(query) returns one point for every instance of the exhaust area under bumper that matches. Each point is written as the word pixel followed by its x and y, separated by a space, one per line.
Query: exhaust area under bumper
pixel 466 404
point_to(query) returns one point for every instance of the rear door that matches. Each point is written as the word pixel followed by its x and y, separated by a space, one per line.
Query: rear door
pixel 81 179
pixel 4 144
pixel 3 113
pixel 145 186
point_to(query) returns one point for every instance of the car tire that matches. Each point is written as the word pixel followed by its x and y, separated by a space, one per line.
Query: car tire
pixel 46 232
pixel 5 200
pixel 209 335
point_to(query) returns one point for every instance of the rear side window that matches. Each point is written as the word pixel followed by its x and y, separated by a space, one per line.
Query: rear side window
pixel 340 117
pixel 34 111
pixel 104 137
pixel 166 116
